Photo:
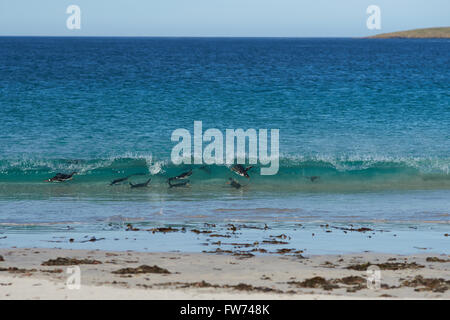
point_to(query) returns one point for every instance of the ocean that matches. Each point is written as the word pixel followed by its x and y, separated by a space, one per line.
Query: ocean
pixel 369 117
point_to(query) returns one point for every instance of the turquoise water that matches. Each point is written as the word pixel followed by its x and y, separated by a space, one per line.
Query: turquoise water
pixel 371 118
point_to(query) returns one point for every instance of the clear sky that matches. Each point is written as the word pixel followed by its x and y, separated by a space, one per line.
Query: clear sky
pixel 261 18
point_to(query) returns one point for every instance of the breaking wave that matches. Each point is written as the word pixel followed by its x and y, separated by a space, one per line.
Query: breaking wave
pixel 295 173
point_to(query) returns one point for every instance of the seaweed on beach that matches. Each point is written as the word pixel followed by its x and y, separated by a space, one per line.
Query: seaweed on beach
pixel 204 284
pixel 163 230
pixel 286 250
pixel 356 282
pixel 142 269
pixel 53 271
pixel 244 226
pixel 220 251
pixel 68 262
pixel 237 253
pixel 281 236
pixel 243 254
pixel 359 267
pixel 260 250
pixel 209 225
pixel 352 280
pixel 237 244
pixel 436 259
pixel 200 231
pixel 6 284
pixel 328 264
pixel 315 283
pixel 17 270
pixel 274 242
pixel 242 245
pixel 215 235
pixel 426 284
pixel 199 284
pixel 131 228
pixel 249 287
pixel 386 266
pixel 361 229
pixel 92 239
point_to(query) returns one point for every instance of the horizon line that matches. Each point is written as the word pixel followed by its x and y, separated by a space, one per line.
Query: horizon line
pixel 137 36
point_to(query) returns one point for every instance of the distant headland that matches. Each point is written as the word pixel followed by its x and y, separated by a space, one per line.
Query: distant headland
pixel 441 32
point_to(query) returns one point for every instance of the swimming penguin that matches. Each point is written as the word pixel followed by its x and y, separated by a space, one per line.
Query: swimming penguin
pixel 240 170
pixel 119 180
pixel 61 177
pixel 124 178
pixel 181 176
pixel 234 183
pixel 141 185
pixel 180 184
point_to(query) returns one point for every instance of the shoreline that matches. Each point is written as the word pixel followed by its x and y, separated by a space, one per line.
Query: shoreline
pixel 232 237
pixel 173 275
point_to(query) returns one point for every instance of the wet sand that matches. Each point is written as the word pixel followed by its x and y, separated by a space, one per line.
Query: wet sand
pixel 42 274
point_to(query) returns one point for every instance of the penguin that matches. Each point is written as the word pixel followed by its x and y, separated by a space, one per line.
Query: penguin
pixel 61 177
pixel 240 170
pixel 140 185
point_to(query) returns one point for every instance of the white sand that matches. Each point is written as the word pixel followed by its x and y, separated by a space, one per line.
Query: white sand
pixel 263 272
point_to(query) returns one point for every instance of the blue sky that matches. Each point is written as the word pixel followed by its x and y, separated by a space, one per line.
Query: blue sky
pixel 270 18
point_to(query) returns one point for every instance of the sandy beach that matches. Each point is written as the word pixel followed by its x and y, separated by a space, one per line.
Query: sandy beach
pixel 42 274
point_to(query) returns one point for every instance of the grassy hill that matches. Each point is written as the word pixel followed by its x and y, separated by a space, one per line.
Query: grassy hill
pixel 442 32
